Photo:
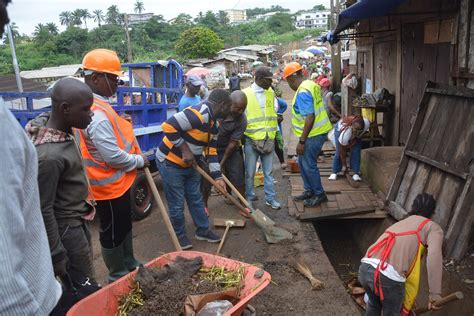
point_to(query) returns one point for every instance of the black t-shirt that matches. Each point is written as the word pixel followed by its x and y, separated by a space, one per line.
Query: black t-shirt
pixel 230 128
pixel 234 83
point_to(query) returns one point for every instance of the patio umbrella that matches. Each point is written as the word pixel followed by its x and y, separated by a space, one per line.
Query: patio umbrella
pixel 198 71
pixel 315 50
pixel 305 55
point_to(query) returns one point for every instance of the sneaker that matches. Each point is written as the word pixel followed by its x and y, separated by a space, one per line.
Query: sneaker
pixel 273 204
pixel 332 177
pixel 210 236
pixel 185 243
pixel 315 200
pixel 356 177
pixel 303 196
pixel 253 198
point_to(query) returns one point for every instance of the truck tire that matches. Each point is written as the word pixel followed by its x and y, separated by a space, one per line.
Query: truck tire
pixel 141 198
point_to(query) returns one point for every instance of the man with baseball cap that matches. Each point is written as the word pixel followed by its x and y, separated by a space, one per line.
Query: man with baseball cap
pixel 259 140
pixel 311 124
pixel 191 96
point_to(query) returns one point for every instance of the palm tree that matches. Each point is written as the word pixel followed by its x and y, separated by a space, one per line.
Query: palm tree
pixel 112 15
pixel 98 16
pixel 41 33
pixel 65 18
pixel 139 7
pixel 52 28
pixel 86 15
pixel 76 17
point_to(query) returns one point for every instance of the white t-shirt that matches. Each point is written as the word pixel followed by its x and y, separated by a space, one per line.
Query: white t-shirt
pixel 389 272
pixel 346 135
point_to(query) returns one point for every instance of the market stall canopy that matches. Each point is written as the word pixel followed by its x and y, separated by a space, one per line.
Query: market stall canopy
pixel 361 10
pixel 305 55
pixel 315 50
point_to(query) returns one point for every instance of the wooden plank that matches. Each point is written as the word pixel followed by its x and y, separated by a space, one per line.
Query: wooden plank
pixel 446 200
pixel 431 115
pixel 439 126
pixel 405 183
pixel 452 91
pixel 462 216
pixel 344 201
pixel 396 211
pixel 418 184
pixel 291 207
pixel 336 214
pixel 299 206
pixel 331 197
pixel 436 164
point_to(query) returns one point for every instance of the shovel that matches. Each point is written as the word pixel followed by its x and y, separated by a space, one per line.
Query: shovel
pixel 272 233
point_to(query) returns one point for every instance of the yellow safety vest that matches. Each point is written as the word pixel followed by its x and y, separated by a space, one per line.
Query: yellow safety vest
pixel 259 124
pixel 321 124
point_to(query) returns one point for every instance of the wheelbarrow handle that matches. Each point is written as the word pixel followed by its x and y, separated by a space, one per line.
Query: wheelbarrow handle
pixel 218 187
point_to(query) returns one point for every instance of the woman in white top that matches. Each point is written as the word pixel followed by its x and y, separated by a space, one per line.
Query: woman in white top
pixel 348 136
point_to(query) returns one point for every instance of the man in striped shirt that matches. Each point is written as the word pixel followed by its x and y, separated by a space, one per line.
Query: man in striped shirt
pixel 189 134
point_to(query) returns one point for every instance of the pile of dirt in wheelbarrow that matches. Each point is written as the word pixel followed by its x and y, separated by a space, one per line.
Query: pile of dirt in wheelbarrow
pixel 166 290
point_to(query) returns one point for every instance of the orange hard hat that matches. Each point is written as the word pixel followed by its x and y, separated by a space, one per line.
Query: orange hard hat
pixel 102 60
pixel 290 69
pixel 324 82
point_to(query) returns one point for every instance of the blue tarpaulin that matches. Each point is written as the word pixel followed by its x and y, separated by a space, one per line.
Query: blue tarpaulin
pixel 362 9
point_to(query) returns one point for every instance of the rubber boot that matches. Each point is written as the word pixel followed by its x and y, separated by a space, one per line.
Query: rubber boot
pixel 128 258
pixel 114 261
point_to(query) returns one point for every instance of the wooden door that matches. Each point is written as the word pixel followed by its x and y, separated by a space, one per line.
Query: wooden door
pixel 420 63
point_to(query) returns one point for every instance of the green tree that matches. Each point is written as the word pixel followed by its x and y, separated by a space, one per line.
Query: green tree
pixel 139 7
pixel 65 18
pixel 85 15
pixel 209 20
pixel 113 15
pixel 198 42
pixel 41 34
pixel 183 19
pixel 280 23
pixel 319 7
pixel 222 17
pixel 76 17
pixel 98 16
pixel 52 28
pixel 199 17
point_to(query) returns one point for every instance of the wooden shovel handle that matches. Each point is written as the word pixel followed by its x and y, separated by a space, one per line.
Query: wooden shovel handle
pixel 218 187
pixel 223 239
pixel 242 199
pixel 451 297
pixel 162 208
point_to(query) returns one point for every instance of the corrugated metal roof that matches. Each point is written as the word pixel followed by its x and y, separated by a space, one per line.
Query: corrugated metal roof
pixel 239 56
pixel 255 48
pixel 8 84
pixel 51 72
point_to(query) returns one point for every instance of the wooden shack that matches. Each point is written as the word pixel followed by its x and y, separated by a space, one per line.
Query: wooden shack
pixel 401 50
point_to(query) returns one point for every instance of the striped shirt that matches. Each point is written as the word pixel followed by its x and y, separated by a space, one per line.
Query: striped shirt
pixel 197 127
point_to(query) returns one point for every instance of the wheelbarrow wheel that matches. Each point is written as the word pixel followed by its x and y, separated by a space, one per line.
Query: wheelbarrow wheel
pixel 141 198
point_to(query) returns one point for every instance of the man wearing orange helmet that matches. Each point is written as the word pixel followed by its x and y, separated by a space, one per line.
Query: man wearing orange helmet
pixel 111 157
pixel 311 124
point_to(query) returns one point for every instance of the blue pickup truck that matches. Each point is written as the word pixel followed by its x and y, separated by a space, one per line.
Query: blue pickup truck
pixel 150 97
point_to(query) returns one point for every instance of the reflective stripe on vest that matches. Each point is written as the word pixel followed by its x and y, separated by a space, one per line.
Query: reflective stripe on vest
pixel 321 123
pixel 261 124
pixel 106 182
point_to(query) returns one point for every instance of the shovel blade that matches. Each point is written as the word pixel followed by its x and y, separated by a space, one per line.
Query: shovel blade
pixel 272 233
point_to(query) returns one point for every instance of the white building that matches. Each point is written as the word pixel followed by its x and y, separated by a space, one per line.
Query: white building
pixel 308 20
pixel 266 15
pixel 236 16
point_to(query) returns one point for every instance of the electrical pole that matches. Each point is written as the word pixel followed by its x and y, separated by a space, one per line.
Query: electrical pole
pixel 15 60
pixel 335 50
pixel 129 44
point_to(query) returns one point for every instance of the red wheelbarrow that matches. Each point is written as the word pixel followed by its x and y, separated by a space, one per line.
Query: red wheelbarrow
pixel 105 301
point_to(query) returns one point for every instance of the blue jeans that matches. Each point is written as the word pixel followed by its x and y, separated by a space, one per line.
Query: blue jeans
pixel 183 184
pixel 394 293
pixel 354 155
pixel 251 157
pixel 308 164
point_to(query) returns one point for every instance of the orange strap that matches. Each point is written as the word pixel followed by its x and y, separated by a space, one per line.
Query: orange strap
pixel 385 246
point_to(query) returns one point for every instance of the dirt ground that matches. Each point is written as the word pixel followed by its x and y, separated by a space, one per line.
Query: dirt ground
pixel 290 293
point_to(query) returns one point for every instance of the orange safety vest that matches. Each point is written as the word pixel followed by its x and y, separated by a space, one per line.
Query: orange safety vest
pixel 385 246
pixel 108 183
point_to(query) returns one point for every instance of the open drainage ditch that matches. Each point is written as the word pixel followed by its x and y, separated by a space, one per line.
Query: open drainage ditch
pixel 345 242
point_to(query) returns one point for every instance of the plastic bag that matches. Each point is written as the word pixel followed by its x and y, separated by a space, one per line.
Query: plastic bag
pixel 215 308
pixel 331 137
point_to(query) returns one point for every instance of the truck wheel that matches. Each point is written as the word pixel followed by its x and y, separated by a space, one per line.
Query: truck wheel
pixel 141 198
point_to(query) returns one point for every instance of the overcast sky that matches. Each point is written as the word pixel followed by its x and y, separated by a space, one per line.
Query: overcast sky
pixel 28 13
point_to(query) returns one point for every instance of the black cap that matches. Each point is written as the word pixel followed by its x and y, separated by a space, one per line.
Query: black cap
pixel 263 73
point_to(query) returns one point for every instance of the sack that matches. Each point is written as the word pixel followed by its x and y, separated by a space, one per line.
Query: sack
pixel 264 146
